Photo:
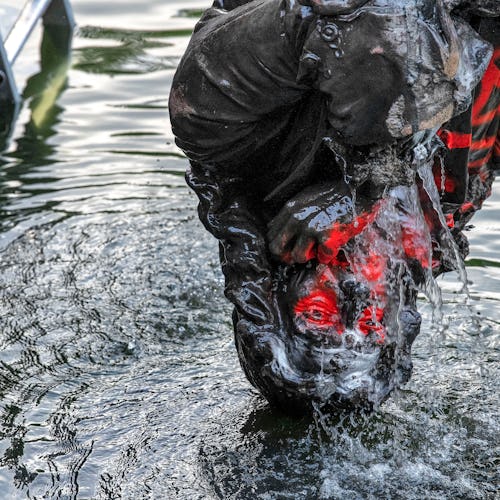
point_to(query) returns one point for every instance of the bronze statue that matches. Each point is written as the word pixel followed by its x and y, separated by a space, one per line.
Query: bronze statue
pixel 312 127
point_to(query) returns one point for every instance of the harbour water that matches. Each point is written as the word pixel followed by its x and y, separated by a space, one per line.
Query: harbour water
pixel 118 372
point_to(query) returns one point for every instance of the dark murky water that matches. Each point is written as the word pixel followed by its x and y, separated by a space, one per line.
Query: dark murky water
pixel 118 373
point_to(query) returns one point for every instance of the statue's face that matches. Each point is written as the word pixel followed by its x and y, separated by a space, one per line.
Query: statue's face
pixel 341 320
pixel 328 303
pixel 344 328
pixel 338 332
pixel 351 323
pixel 393 68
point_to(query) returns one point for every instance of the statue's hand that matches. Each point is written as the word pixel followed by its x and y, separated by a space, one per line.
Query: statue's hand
pixel 316 223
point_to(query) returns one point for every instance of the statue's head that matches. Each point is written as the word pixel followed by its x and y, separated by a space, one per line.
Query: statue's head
pixel 343 330
pixel 391 68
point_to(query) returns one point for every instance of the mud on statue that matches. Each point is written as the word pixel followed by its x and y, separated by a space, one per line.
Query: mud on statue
pixel 338 150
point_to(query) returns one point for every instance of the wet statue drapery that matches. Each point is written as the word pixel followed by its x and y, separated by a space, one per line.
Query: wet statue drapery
pixel 338 150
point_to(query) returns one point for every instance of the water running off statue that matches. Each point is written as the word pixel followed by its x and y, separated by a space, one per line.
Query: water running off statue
pixel 305 125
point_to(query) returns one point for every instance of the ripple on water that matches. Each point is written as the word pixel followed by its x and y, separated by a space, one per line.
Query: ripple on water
pixel 108 320
pixel 118 374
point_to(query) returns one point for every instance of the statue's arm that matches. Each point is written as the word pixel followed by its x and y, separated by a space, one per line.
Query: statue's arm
pixel 237 78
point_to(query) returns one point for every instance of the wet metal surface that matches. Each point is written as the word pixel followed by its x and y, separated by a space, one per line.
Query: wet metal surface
pixel 118 372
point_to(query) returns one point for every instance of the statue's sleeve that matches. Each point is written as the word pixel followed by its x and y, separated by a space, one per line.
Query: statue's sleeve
pixel 238 79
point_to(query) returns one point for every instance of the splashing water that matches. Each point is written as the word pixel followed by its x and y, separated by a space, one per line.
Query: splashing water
pixel 100 252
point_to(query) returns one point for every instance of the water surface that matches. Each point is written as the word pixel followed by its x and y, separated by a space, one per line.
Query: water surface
pixel 118 373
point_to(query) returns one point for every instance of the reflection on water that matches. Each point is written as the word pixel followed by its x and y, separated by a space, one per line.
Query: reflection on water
pixel 128 53
pixel 118 374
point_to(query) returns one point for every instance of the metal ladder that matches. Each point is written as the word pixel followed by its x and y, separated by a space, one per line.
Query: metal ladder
pixel 54 13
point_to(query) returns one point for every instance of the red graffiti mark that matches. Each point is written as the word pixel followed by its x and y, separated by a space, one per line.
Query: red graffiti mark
pixel 340 234
pixel 489 84
pixel 450 221
pixel 371 322
pixel 287 257
pixel 455 140
pixel 484 143
pixel 310 253
pixel 415 244
pixel 436 263
pixel 374 266
pixel 466 207
pixel 320 309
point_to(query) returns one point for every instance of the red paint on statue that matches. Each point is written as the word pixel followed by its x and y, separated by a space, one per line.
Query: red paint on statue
pixel 455 140
pixel 374 267
pixel 371 322
pixel 341 234
pixel 490 82
pixel 450 221
pixel 446 184
pixel 320 309
pixel 415 244
pixel 466 207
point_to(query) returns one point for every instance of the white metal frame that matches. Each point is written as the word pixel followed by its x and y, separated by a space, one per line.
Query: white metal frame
pixel 53 13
